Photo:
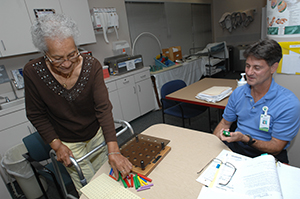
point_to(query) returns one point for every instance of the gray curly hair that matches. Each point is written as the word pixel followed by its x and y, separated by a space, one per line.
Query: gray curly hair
pixel 53 26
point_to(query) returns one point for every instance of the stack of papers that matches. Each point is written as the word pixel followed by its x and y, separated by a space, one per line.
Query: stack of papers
pixel 214 94
pixel 259 177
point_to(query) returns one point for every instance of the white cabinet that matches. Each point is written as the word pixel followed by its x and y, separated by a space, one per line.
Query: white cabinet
pixel 15 34
pixel 135 94
pixel 79 11
pixel 128 97
pixel 71 8
pixel 145 92
pixel 114 99
pixel 42 4
pixel 3 189
pixel 16 17
pixel 14 126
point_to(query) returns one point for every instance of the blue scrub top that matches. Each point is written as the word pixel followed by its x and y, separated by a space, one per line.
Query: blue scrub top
pixel 283 108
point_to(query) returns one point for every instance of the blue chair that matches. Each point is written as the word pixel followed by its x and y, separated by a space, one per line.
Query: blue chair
pixel 179 109
pixel 39 151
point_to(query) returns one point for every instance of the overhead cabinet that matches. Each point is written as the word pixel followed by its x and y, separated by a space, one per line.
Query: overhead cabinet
pixel 17 16
pixel 15 28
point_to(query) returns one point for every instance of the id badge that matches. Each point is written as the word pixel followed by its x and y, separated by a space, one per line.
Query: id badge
pixel 264 123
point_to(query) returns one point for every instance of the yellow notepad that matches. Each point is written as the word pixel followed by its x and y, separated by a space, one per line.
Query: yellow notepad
pixel 106 187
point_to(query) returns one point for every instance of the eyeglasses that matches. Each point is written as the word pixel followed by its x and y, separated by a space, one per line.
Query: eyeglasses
pixel 72 58
pixel 228 170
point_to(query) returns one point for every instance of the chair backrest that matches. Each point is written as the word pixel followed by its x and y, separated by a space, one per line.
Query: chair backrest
pixel 36 147
pixel 171 87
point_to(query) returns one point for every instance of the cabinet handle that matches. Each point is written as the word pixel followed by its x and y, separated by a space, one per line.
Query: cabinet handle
pixel 143 76
pixel 29 130
pixel 134 90
pixel 139 88
pixel 3 45
pixel 126 82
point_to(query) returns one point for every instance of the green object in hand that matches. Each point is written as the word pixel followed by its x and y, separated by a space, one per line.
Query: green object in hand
pixel 226 133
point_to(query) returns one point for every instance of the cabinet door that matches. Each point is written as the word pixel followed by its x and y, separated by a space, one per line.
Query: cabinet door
pixel 79 11
pixel 42 4
pixel 13 136
pixel 117 110
pixel 3 189
pixel 145 96
pixel 114 99
pixel 15 33
pixel 129 102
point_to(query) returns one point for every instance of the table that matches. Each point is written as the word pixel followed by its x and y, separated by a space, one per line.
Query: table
pixel 189 72
pixel 175 176
pixel 187 94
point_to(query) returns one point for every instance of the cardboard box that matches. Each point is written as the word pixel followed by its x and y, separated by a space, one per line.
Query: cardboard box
pixel 166 52
pixel 173 53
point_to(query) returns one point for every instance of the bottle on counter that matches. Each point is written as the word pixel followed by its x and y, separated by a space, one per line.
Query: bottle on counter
pixel 242 81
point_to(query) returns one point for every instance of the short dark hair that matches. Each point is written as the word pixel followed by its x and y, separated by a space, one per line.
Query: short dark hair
pixel 267 49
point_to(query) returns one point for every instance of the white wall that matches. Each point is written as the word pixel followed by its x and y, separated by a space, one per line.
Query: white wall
pixel 101 49
pixel 240 35
pixel 292 83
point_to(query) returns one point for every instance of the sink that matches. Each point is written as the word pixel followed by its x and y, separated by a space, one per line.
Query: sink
pixel 12 103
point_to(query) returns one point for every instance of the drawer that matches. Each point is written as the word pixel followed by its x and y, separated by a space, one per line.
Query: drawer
pixel 12 119
pixel 142 76
pixel 127 81
pixel 111 86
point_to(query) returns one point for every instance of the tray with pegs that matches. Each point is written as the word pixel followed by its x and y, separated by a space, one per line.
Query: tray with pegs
pixel 145 152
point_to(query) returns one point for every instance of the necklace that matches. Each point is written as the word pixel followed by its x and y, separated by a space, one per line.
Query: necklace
pixel 58 75
pixel 65 83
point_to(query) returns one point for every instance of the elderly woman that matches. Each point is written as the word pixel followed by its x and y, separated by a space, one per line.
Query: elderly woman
pixel 67 100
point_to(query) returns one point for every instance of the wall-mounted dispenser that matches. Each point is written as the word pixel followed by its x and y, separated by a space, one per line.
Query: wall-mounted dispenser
pixel 121 47
pixel 105 20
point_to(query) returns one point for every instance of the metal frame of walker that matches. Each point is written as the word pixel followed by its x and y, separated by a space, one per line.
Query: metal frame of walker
pixel 125 126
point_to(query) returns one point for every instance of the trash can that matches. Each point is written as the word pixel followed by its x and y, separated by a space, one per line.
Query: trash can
pixel 17 166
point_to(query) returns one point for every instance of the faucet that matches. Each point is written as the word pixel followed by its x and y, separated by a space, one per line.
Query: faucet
pixel 6 99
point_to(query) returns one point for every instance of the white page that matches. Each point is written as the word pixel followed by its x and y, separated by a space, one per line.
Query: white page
pixel 259 179
pixel 215 193
pixel 211 172
pixel 226 172
pixel 289 177
pixel 290 64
